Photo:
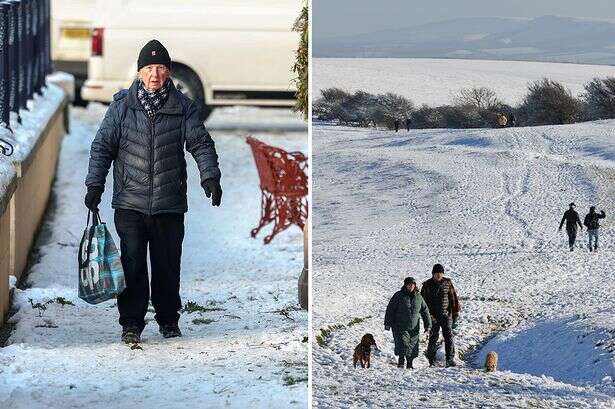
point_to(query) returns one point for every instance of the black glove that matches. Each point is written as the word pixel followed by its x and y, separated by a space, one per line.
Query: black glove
pixel 213 189
pixel 387 328
pixel 92 198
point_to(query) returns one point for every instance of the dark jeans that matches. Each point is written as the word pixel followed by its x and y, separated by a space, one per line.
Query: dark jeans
pixel 164 233
pixel 444 322
pixel 572 236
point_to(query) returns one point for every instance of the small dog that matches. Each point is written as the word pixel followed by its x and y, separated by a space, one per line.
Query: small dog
pixel 363 351
pixel 491 361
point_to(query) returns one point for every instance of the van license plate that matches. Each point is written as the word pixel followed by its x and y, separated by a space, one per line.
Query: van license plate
pixel 76 32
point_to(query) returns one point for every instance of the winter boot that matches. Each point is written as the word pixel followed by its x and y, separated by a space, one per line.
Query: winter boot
pixel 409 364
pixel 131 335
pixel 432 362
pixel 450 362
pixel 170 330
pixel 400 362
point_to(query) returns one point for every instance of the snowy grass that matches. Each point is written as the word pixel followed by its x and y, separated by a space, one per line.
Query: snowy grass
pixel 486 204
pixel 435 81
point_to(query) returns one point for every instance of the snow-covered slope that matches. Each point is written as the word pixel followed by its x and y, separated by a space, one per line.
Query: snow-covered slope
pixel 486 204
pixel 435 81
pixel 248 350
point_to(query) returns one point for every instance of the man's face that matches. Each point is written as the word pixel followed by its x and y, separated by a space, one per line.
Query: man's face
pixel 438 276
pixel 154 76
pixel 410 287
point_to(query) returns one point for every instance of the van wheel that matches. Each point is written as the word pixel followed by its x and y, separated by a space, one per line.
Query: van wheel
pixel 189 84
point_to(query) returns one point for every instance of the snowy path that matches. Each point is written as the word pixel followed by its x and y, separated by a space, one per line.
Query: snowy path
pixel 247 350
pixel 486 204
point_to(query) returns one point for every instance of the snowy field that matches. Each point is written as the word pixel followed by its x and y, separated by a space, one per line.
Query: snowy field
pixel 435 81
pixel 248 349
pixel 486 204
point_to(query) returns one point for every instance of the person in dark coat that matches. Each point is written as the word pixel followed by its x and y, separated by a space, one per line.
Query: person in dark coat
pixel 402 316
pixel 396 125
pixel 441 298
pixel 571 217
pixel 408 123
pixel 512 121
pixel 143 133
pixel 592 224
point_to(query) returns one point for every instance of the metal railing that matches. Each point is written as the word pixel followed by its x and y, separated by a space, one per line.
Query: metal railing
pixel 25 57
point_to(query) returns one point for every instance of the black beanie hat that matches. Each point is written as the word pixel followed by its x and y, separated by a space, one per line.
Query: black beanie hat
pixel 437 268
pixel 153 53
pixel 409 280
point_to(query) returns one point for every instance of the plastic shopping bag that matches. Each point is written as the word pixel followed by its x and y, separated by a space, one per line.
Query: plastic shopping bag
pixel 101 276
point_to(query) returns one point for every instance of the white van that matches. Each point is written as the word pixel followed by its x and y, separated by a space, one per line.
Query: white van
pixel 71 22
pixel 223 52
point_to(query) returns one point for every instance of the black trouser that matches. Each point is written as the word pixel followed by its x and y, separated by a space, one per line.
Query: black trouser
pixel 444 322
pixel 164 233
pixel 572 235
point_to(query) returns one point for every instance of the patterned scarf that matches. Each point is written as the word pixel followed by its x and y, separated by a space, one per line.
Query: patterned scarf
pixel 152 101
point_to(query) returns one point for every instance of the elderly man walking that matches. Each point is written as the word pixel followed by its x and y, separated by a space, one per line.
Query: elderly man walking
pixel 441 298
pixel 143 133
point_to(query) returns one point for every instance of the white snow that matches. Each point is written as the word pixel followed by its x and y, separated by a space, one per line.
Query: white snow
pixel 255 119
pixel 486 204
pixel 248 356
pixel 41 108
pixel 435 81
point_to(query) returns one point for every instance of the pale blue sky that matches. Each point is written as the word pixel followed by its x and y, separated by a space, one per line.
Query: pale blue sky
pixel 338 17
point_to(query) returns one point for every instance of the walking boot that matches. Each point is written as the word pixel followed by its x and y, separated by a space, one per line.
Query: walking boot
pixel 131 334
pixel 170 330
pixel 400 362
pixel 451 362
pixel 409 364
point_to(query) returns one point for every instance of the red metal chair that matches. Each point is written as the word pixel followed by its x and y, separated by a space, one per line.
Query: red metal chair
pixel 284 187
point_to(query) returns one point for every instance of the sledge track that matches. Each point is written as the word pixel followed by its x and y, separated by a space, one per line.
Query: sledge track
pixel 494 228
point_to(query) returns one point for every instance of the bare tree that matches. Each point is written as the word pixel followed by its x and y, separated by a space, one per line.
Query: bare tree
pixel 481 98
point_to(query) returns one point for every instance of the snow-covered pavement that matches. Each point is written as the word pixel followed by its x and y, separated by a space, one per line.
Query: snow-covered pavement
pixel 486 204
pixel 246 349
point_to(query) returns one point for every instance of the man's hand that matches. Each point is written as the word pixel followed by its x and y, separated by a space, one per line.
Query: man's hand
pixel 387 328
pixel 92 198
pixel 213 189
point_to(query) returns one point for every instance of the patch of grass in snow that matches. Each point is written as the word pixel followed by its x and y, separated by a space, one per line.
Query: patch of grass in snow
pixel 294 364
pixel 192 306
pixel 62 301
pixel 285 311
pixel 290 380
pixel 202 321
pixel 40 307
pixel 325 333
pixel 357 320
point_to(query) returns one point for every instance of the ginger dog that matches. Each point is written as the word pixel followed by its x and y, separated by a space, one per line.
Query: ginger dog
pixel 491 362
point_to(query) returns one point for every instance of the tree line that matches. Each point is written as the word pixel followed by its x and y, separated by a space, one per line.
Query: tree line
pixel 546 102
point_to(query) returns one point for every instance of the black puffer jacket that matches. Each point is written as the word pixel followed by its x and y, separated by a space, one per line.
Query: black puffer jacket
pixel 149 169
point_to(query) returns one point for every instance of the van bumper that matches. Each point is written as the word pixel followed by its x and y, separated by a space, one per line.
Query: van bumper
pixel 101 91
